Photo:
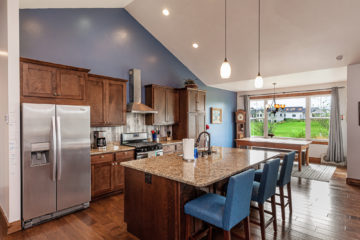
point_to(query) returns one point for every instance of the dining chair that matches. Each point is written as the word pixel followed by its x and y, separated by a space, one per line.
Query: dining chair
pixel 223 212
pixel 262 191
pixel 284 179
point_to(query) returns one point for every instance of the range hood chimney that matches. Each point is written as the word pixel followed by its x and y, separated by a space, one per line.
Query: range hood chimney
pixel 135 105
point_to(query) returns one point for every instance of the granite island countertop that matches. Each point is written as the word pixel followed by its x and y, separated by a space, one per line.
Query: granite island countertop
pixel 205 170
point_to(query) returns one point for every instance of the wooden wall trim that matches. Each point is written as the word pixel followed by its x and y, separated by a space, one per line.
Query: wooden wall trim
pixel 304 94
pixel 315 160
pixel 353 181
pixel 9 227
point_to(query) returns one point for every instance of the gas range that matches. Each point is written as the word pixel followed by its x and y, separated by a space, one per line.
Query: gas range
pixel 143 148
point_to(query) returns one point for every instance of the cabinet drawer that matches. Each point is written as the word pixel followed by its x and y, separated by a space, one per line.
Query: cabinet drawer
pixel 169 148
pixel 126 155
pixel 100 158
pixel 179 147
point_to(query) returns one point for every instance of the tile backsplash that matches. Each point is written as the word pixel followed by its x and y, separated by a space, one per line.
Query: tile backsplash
pixel 134 123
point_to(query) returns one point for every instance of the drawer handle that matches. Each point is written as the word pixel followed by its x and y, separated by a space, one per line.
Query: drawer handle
pixel 102 156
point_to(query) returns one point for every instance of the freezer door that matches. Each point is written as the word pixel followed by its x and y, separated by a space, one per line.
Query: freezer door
pixel 73 158
pixel 38 160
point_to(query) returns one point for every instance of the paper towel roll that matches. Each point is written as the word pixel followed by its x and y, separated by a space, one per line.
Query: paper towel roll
pixel 188 148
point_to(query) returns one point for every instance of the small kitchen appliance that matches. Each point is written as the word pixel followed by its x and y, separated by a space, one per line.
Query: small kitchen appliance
pixel 143 148
pixel 99 139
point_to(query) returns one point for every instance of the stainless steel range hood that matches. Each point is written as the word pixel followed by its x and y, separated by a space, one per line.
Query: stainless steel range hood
pixel 135 105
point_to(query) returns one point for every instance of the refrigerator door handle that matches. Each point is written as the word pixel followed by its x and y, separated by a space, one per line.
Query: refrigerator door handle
pixel 58 160
pixel 53 126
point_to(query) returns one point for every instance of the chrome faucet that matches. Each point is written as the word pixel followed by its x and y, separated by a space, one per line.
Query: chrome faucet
pixel 198 141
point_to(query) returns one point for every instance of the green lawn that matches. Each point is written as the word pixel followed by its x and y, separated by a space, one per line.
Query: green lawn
pixel 292 128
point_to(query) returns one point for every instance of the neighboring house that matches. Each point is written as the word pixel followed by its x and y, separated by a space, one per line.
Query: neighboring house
pixel 297 113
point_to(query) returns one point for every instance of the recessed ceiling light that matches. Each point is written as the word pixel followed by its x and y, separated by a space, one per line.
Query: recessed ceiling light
pixel 195 45
pixel 165 12
pixel 339 57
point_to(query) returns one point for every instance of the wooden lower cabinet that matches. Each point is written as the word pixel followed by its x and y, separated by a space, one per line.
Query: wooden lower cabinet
pixel 107 175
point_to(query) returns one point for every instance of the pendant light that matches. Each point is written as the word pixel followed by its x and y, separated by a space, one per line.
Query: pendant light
pixel 225 70
pixel 274 107
pixel 259 82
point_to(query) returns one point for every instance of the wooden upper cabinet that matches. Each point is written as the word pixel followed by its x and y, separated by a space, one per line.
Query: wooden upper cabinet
pixel 107 99
pixel 70 84
pixel 192 112
pixel 116 103
pixel 38 81
pixel 165 101
pixel 95 93
pixel 159 104
pixel 192 99
pixel 44 82
pixel 201 101
pixel 172 106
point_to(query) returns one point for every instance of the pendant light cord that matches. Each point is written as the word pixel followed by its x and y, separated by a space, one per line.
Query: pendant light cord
pixel 259 35
pixel 225 29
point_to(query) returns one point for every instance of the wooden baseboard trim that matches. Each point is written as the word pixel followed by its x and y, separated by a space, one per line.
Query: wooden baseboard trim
pixel 315 160
pixel 10 227
pixel 353 181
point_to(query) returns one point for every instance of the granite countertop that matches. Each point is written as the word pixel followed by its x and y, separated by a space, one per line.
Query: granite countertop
pixel 205 170
pixel 170 142
pixel 111 149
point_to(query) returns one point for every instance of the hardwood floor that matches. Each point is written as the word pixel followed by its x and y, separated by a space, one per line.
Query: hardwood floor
pixel 321 211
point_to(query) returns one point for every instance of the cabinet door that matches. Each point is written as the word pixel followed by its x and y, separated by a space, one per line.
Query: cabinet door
pixel 70 84
pixel 201 102
pixel 95 94
pixel 117 176
pixel 200 120
pixel 192 126
pixel 38 81
pixel 101 178
pixel 172 106
pixel 192 99
pixel 159 105
pixel 116 103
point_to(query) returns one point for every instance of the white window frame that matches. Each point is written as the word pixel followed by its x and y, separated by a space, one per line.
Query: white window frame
pixel 308 116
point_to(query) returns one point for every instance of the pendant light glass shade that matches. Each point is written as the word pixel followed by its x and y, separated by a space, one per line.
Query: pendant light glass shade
pixel 225 70
pixel 259 82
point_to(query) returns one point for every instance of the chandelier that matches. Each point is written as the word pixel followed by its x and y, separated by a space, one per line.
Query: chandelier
pixel 274 107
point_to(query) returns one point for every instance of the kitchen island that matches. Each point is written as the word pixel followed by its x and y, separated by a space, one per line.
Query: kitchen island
pixel 156 189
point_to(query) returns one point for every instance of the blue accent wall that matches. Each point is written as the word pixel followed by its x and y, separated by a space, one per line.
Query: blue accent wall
pixel 110 42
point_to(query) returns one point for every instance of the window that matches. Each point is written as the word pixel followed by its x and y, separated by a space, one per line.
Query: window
pixel 320 116
pixel 257 120
pixel 292 123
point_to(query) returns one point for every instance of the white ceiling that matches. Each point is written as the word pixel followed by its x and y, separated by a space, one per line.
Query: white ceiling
pixel 74 3
pixel 297 36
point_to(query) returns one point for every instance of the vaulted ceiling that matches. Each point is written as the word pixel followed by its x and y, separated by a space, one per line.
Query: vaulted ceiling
pixel 298 38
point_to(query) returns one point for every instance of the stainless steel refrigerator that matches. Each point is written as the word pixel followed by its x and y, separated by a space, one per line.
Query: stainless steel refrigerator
pixel 56 168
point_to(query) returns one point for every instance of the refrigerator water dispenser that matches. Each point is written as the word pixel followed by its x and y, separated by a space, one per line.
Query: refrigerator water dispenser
pixel 40 154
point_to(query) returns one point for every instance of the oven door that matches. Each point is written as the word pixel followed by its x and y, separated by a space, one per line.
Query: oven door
pixel 155 153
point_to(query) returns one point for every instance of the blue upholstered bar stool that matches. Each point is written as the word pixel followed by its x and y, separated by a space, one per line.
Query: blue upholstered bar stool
pixel 265 189
pixel 224 212
pixel 284 178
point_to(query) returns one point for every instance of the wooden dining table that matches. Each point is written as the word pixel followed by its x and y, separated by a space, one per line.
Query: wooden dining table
pixel 276 143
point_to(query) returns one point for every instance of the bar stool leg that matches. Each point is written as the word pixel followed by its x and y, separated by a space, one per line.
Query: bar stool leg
pixel 273 209
pixel 289 196
pixel 247 227
pixel 227 235
pixel 262 221
pixel 282 202
pixel 188 227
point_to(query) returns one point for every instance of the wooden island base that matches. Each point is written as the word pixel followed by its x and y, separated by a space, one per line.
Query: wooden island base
pixel 154 206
